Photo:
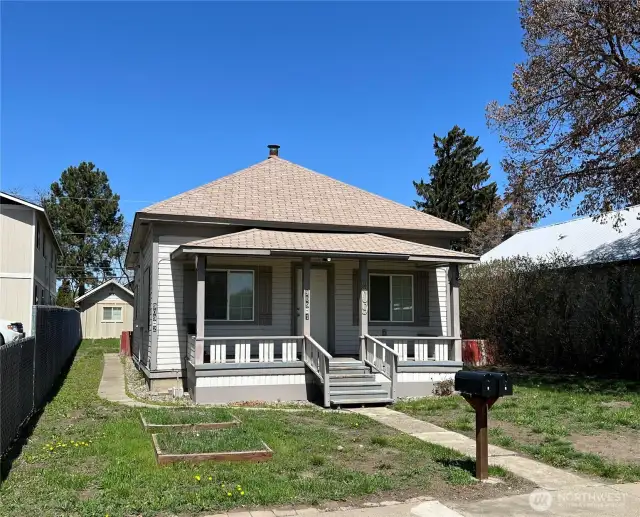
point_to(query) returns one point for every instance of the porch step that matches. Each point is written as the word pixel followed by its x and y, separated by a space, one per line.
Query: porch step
pixel 361 392
pixel 351 377
pixel 354 386
pixel 346 400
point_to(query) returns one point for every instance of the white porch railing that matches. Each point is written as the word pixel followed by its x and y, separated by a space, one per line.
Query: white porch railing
pixel 252 349
pixel 422 348
pixel 382 359
pixel 317 360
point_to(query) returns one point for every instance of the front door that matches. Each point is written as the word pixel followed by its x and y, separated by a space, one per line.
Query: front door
pixel 319 306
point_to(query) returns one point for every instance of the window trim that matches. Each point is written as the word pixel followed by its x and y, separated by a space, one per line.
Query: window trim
pixel 253 294
pixel 121 320
pixel 413 299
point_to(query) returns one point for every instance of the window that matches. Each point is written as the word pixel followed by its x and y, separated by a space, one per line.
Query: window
pixel 228 295
pixel 38 234
pixel 112 314
pixel 44 246
pixel 35 295
pixel 391 298
pixel 42 301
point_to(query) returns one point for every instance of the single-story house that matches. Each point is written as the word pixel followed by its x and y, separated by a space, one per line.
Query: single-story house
pixel 585 240
pixel 106 310
pixel 280 283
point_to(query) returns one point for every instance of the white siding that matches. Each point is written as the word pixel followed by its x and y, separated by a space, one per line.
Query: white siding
pixel 172 337
pixel 249 380
pixel 177 294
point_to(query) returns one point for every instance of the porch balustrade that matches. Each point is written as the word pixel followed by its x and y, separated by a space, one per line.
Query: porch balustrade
pixel 382 359
pixel 318 360
pixel 422 348
pixel 253 349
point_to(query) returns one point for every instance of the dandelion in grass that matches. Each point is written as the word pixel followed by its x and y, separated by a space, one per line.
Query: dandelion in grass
pixel 242 493
pixel 210 478
pixel 229 494
pixel 197 477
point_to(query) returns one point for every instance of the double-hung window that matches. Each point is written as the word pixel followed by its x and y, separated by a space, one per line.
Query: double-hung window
pixel 112 314
pixel 229 295
pixel 391 298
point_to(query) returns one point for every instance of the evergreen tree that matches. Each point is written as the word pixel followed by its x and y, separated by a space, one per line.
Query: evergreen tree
pixel 458 191
pixel 85 215
pixel 65 295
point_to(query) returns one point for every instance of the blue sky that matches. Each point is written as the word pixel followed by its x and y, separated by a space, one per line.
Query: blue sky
pixel 168 96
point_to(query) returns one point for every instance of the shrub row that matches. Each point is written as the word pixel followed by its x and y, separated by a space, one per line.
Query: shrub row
pixel 553 313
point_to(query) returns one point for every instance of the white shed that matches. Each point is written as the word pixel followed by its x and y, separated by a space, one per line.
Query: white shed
pixel 106 311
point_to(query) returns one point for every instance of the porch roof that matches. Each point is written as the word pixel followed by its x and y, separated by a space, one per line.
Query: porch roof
pixel 338 245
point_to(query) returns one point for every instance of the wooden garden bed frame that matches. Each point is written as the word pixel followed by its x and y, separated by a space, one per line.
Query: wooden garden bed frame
pixel 154 428
pixel 164 458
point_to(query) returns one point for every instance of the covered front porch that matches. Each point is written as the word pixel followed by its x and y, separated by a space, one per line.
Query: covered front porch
pixel 320 320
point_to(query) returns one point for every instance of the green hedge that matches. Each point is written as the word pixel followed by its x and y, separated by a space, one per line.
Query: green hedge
pixel 555 314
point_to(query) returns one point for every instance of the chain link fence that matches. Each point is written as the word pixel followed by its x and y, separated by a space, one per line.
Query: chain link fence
pixel 30 367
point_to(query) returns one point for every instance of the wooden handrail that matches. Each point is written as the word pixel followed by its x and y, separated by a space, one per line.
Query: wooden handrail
pixel 317 345
pixel 378 342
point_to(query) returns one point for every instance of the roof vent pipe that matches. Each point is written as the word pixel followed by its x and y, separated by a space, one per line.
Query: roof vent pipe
pixel 273 150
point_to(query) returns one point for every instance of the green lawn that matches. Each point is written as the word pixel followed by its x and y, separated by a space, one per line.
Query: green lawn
pixel 163 416
pixel 233 439
pixel 589 425
pixel 87 457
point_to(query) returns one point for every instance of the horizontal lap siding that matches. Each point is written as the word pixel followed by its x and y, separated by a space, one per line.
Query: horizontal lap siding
pixel 280 302
pixel 172 332
pixel 177 295
pixel 347 333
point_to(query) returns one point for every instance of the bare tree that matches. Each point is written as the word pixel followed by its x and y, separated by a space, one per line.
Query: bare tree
pixel 572 124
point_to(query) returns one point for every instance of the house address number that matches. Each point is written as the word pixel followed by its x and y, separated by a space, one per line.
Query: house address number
pixel 154 317
pixel 307 304
pixel 365 302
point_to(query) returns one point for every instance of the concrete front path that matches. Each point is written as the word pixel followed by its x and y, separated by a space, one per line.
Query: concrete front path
pixel 549 478
pixel 112 384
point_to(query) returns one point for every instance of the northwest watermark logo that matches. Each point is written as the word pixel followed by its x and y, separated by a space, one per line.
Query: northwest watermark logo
pixel 540 500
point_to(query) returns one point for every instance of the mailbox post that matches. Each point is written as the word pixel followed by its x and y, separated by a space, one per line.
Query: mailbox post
pixel 481 390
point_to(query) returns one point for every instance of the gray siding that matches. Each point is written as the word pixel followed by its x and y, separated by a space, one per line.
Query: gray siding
pixel 346 339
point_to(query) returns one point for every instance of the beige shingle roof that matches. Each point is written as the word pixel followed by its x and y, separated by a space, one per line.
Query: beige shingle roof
pixel 277 190
pixel 362 243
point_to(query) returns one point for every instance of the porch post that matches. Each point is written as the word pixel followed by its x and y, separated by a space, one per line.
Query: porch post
pixel 454 308
pixel 201 261
pixel 306 296
pixel 363 312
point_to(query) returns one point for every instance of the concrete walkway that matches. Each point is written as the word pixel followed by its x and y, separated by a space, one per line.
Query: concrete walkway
pixel 549 478
pixel 112 384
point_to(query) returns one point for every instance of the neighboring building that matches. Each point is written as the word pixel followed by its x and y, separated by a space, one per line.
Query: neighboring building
pixel 28 257
pixel 585 240
pixel 279 283
pixel 106 311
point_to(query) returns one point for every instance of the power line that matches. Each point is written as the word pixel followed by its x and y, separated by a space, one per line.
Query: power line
pixel 104 199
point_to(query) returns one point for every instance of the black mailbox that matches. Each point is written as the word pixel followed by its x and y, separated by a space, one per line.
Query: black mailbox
pixel 481 390
pixel 504 384
pixel 479 384
pixel 483 384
